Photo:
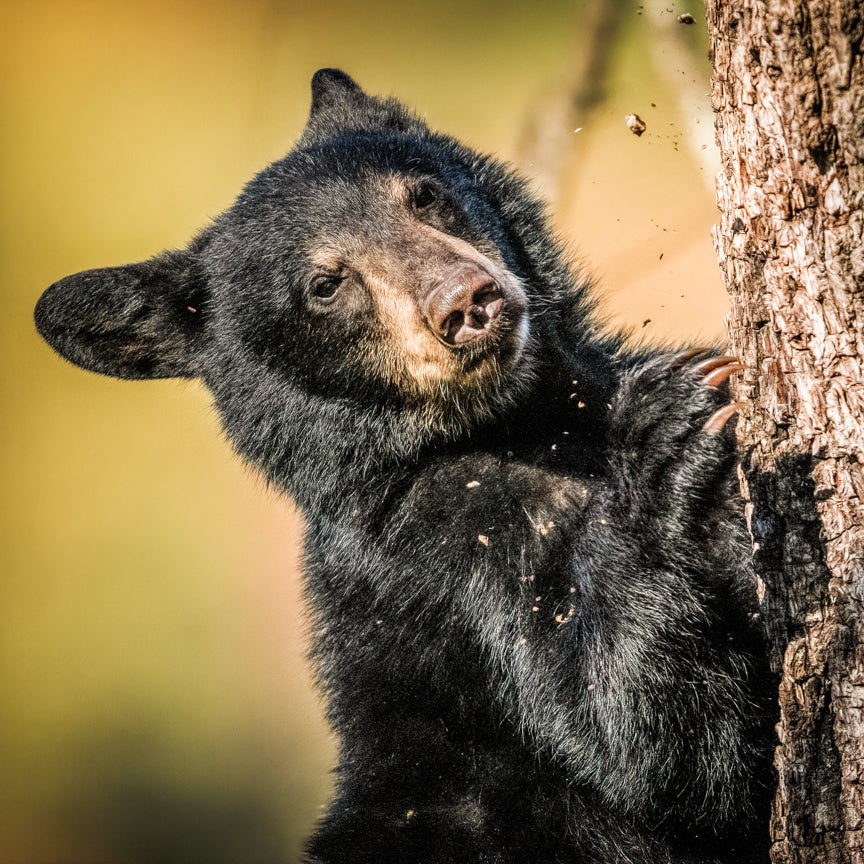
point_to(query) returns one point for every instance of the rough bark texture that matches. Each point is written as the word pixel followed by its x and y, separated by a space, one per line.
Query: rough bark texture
pixel 788 90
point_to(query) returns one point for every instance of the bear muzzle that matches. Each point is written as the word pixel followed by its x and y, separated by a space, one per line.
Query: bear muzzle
pixel 465 307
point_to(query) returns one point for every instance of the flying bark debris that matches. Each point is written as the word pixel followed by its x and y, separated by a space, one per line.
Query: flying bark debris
pixel 635 124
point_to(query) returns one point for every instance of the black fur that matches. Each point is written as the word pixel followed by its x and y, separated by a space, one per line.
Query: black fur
pixel 533 615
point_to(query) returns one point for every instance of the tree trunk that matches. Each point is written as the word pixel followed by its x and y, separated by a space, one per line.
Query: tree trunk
pixel 788 90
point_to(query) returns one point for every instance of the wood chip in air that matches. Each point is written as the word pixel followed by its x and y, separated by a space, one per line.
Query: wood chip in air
pixel 686 18
pixel 483 539
pixel 472 484
pixel 635 124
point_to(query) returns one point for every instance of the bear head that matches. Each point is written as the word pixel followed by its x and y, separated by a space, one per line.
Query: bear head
pixel 374 290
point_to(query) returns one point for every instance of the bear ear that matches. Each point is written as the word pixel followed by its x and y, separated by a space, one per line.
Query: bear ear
pixel 333 90
pixel 139 321
pixel 339 104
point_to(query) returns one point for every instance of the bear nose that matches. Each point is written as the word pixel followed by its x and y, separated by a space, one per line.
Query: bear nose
pixel 465 306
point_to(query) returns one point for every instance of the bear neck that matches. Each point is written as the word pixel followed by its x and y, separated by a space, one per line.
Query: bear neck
pixel 336 462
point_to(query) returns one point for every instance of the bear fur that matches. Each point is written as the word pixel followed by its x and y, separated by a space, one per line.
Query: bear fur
pixel 533 616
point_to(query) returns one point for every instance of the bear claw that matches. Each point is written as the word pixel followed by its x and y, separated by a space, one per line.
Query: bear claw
pixel 715 423
pixel 722 371
pixel 705 366
pixel 684 357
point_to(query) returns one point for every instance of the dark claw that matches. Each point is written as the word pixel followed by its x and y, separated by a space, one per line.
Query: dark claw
pixel 715 423
pixel 721 373
pixel 712 363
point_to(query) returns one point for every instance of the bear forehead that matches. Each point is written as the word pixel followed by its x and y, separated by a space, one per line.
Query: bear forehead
pixel 382 152
pixel 353 172
pixel 345 213
pixel 372 220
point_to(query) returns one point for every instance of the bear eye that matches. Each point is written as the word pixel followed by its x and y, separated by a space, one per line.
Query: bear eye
pixel 325 288
pixel 425 195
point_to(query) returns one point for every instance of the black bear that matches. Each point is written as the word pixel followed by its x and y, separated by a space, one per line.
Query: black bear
pixel 533 615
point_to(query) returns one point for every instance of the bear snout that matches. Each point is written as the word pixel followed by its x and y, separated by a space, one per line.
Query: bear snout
pixel 464 307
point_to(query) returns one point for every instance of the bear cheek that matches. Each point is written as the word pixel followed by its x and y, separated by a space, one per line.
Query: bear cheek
pixel 409 355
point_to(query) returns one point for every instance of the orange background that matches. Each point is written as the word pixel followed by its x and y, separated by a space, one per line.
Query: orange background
pixel 154 701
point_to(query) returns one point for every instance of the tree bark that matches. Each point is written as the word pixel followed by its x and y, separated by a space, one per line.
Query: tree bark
pixel 788 92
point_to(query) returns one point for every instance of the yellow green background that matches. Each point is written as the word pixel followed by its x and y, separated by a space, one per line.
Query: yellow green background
pixel 154 702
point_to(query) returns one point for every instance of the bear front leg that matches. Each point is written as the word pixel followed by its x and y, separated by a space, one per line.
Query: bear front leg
pixel 653 686
pixel 673 683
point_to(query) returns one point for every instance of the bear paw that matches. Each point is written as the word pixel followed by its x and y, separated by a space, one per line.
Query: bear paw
pixel 669 437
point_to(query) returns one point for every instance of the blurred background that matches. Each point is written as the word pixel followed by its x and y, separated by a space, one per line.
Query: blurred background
pixel 154 701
